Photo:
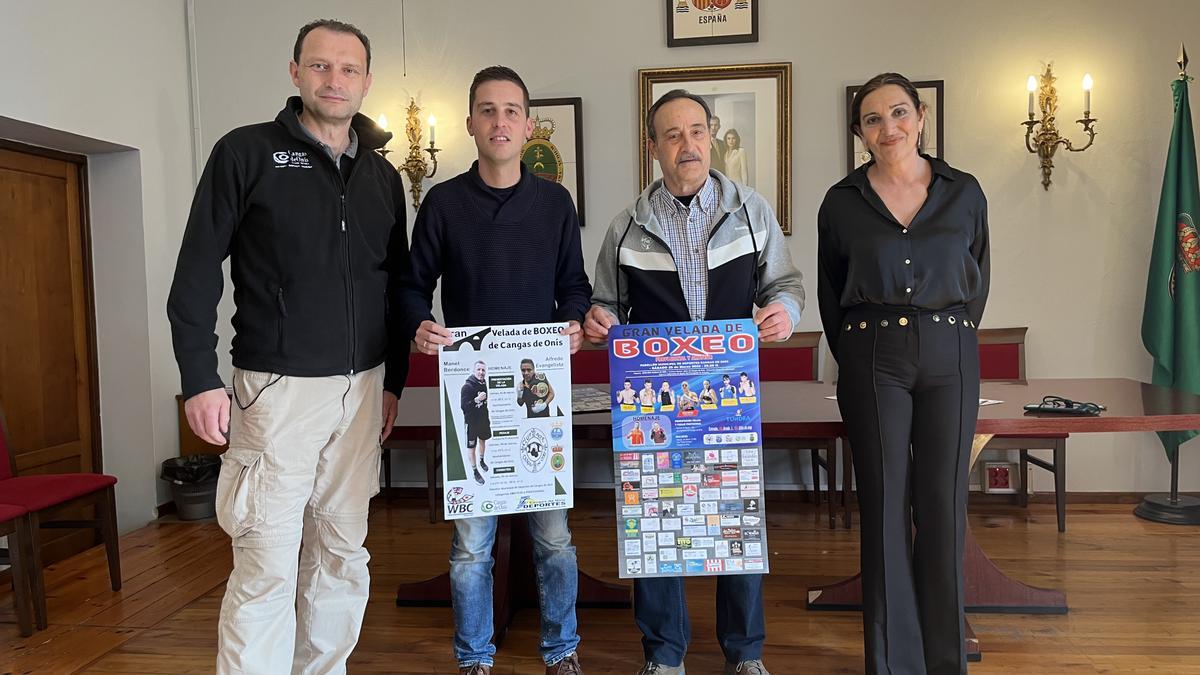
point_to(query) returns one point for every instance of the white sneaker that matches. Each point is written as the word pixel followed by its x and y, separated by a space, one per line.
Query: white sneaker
pixel 652 668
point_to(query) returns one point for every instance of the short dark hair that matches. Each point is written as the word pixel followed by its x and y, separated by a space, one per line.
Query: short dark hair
pixel 879 81
pixel 529 361
pixel 337 27
pixel 491 73
pixel 673 95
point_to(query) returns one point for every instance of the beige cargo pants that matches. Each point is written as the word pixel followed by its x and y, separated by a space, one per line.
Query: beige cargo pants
pixel 302 466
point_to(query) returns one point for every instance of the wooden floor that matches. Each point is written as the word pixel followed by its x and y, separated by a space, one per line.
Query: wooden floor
pixel 1133 587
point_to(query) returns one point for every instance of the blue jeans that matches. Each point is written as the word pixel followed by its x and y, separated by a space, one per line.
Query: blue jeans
pixel 660 609
pixel 471 586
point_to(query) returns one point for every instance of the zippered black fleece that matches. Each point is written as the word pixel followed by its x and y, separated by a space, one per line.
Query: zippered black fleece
pixel 315 259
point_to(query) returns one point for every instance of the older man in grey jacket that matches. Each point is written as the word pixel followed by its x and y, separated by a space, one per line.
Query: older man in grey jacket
pixel 695 246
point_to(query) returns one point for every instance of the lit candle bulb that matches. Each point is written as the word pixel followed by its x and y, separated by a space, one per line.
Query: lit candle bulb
pixel 1087 93
pixel 1031 84
pixel 432 127
pixel 383 122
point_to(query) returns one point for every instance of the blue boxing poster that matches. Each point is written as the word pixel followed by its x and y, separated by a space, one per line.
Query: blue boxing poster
pixel 687 449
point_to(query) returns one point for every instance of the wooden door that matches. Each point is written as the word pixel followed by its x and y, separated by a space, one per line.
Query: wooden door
pixel 47 348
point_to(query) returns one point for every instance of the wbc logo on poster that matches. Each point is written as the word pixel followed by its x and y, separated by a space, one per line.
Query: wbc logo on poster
pixel 459 501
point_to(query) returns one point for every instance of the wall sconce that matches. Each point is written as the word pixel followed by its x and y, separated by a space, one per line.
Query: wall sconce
pixel 1046 139
pixel 415 166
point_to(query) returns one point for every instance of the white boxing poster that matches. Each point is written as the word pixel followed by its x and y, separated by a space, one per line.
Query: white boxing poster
pixel 506 420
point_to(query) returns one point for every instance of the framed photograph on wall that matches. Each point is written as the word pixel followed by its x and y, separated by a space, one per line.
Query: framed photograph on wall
pixel 931 93
pixel 751 106
pixel 711 22
pixel 555 151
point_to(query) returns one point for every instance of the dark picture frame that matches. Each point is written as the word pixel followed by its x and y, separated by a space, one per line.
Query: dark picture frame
pixel 693 23
pixel 926 89
pixel 566 125
pixel 755 99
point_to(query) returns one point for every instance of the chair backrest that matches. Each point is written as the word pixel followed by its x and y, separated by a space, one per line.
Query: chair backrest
pixel 793 360
pixel 422 369
pixel 1002 354
pixel 8 462
pixel 589 365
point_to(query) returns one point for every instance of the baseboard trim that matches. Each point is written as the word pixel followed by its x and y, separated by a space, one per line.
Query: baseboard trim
pixel 1072 498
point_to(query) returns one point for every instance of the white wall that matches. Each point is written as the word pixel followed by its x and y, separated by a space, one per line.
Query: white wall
pixel 113 74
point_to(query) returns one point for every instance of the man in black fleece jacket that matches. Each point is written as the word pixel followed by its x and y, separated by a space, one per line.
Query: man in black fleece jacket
pixel 314 221
pixel 505 244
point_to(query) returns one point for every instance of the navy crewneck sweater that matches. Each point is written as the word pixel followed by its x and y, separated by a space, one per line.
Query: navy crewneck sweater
pixel 501 260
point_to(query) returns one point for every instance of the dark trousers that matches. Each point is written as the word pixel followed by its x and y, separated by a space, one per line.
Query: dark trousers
pixel 660 609
pixel 908 390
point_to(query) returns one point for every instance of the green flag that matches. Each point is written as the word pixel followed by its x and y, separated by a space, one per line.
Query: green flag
pixel 1171 322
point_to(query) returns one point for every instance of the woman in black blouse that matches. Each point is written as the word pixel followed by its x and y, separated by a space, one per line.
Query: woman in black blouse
pixel 903 278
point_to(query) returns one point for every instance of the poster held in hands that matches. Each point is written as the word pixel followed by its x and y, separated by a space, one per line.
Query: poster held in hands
pixel 687 449
pixel 506 420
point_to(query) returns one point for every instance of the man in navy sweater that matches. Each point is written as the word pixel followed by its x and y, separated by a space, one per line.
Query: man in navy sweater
pixel 505 244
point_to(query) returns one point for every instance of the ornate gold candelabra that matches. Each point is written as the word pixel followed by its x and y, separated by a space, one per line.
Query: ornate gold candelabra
pixel 415 166
pixel 1045 141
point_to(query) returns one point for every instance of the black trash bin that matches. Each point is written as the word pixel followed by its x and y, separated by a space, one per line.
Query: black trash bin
pixel 193 482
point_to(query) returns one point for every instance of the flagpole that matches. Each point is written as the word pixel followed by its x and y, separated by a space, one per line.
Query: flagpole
pixel 1172 508
pixel 1175 478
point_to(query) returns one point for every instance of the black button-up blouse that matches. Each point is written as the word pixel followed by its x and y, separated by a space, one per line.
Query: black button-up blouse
pixel 865 256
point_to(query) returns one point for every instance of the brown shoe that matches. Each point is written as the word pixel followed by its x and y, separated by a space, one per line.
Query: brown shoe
pixel 477 669
pixel 568 666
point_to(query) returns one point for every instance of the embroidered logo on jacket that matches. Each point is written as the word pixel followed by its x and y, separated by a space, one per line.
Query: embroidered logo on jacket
pixel 291 159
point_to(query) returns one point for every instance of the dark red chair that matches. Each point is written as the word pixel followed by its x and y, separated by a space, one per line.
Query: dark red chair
pixel 43 495
pixel 14 524
pixel 795 360
pixel 1002 359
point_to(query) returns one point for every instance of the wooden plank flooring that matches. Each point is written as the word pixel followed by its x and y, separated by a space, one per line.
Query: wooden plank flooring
pixel 1133 588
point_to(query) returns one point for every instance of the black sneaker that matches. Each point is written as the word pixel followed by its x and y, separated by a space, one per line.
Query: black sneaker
pixel 478 478
pixel 482 464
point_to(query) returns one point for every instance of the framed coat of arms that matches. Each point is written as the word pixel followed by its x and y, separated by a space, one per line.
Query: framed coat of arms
pixel 555 150
pixel 711 22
